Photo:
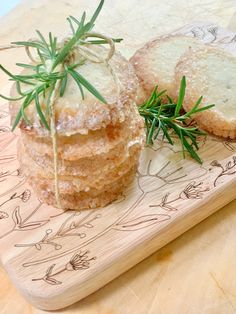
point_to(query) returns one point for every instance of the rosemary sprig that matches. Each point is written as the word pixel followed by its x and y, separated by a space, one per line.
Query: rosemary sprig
pixel 44 75
pixel 53 67
pixel 162 114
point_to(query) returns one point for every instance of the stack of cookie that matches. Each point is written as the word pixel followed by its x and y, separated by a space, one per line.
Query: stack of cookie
pixel 98 144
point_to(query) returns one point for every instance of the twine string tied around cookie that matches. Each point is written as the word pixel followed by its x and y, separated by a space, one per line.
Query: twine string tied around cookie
pixel 86 53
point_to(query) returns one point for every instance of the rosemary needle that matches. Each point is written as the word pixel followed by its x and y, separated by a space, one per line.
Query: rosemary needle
pixel 162 114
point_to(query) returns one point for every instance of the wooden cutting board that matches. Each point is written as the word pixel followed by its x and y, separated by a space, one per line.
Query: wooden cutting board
pixel 57 258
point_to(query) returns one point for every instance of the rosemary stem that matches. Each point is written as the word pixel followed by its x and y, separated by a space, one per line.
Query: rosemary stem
pixel 10 47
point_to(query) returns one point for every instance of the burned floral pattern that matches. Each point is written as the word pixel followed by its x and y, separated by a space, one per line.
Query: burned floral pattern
pixel 79 261
pixel 71 227
pixel 192 191
pixel 228 169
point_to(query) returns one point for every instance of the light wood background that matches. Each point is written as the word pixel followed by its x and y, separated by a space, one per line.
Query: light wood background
pixel 193 274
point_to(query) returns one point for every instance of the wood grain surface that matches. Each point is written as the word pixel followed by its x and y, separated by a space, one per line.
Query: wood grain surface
pixel 193 274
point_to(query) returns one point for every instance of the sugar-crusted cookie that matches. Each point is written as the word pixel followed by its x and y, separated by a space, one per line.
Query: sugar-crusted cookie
pixel 155 63
pixel 211 73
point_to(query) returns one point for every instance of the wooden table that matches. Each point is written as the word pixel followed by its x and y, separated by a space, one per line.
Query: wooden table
pixel 193 274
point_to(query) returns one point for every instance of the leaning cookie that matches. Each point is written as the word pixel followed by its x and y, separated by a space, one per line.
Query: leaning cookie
pixel 155 63
pixel 211 72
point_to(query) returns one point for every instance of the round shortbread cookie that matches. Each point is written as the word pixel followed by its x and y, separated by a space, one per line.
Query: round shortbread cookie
pixel 211 73
pixel 82 200
pixel 89 145
pixel 75 115
pixel 155 63
pixel 69 184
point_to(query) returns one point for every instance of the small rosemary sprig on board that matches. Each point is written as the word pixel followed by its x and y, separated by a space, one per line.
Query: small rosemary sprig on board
pixel 162 114
pixel 52 67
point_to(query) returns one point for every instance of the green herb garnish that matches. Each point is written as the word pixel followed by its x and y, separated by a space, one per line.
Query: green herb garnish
pixel 162 114
pixel 53 66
